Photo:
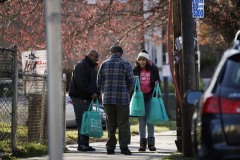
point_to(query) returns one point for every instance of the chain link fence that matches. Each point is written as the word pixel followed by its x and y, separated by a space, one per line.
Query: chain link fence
pixel 7 96
pixel 35 91
pixel 25 121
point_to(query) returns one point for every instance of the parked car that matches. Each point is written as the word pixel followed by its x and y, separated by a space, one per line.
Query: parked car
pixel 216 121
pixel 70 115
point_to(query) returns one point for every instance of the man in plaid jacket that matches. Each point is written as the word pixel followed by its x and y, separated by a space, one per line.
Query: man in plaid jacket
pixel 115 80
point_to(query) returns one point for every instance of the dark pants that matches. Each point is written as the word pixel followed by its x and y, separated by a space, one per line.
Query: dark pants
pixel 117 116
pixel 79 107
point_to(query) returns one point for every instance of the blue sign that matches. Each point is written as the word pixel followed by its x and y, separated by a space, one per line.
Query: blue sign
pixel 198 8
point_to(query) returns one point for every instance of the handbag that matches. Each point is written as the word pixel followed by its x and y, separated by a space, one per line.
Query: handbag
pixel 91 122
pixel 137 106
pixel 157 111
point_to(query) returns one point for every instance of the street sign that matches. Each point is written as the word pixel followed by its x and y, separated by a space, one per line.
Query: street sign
pixel 198 8
pixel 34 62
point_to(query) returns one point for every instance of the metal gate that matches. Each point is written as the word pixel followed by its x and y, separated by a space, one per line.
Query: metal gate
pixel 8 96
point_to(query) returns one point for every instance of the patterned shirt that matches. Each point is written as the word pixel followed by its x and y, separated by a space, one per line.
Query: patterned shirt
pixel 115 80
pixel 145 81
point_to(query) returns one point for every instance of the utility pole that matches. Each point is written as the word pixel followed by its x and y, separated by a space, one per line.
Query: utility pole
pixel 188 61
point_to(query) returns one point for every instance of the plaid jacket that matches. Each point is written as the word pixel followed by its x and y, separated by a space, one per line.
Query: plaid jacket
pixel 115 80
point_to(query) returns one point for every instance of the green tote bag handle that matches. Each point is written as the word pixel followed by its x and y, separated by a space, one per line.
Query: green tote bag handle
pixel 137 106
pixel 137 84
pixel 90 108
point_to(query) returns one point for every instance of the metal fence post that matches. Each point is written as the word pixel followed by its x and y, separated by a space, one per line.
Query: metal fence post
pixel 14 101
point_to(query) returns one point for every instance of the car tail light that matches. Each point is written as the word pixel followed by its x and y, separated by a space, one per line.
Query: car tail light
pixel 228 106
pixel 211 105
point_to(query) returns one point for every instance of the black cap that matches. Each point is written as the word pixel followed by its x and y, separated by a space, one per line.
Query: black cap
pixel 117 49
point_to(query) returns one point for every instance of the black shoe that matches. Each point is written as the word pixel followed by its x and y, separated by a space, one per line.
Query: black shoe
pixel 91 148
pixel 126 151
pixel 152 148
pixel 143 144
pixel 110 151
pixel 85 148
pixel 151 144
pixel 142 149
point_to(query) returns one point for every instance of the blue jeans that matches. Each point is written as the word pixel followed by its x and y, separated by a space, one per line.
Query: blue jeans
pixel 143 122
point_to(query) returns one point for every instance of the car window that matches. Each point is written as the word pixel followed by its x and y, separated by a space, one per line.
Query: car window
pixel 231 77
pixel 237 77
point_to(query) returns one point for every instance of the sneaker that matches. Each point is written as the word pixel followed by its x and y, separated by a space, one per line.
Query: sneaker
pixel 110 151
pixel 126 151
pixel 85 148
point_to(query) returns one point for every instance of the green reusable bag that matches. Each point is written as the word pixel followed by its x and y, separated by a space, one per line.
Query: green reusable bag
pixel 91 122
pixel 157 111
pixel 162 106
pixel 137 106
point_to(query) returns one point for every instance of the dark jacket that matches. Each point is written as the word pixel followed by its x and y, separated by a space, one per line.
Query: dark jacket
pixel 83 81
pixel 154 75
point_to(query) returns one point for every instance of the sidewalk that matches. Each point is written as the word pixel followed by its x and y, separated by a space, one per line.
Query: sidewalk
pixel 165 144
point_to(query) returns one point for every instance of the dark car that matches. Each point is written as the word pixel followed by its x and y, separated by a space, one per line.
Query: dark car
pixel 216 121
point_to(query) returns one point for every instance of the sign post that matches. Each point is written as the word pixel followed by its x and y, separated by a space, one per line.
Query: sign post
pixel 198 8
pixel 54 71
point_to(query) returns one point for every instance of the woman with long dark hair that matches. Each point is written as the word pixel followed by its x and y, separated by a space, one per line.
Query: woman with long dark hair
pixel 149 76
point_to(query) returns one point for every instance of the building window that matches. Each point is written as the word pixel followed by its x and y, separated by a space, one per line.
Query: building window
pixel 92 1
pixel 164 55
pixel 105 1
pixel 123 1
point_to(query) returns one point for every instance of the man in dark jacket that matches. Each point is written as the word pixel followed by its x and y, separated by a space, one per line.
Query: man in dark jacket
pixel 82 90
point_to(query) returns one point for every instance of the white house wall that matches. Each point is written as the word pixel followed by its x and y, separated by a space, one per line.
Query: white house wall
pixel 155 51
